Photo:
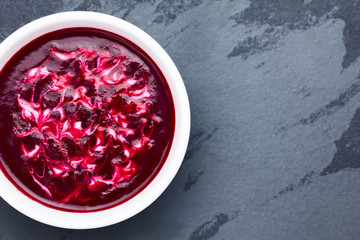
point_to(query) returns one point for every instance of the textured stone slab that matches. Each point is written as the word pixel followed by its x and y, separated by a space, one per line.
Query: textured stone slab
pixel 275 140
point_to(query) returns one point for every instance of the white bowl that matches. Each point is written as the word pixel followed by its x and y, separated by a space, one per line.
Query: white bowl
pixel 87 220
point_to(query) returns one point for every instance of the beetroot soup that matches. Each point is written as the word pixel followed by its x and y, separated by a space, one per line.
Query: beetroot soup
pixel 87 119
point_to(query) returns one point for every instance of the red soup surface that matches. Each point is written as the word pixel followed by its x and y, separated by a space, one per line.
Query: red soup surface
pixel 87 119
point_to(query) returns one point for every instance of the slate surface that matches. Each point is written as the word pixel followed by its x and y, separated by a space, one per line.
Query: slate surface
pixel 275 140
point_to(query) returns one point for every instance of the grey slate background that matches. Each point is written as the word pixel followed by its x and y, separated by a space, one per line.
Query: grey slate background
pixel 275 139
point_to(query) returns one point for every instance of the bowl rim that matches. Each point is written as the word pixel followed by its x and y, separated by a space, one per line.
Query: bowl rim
pixel 106 217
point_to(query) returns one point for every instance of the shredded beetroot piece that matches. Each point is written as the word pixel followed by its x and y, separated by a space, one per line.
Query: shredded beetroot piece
pixel 84 115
